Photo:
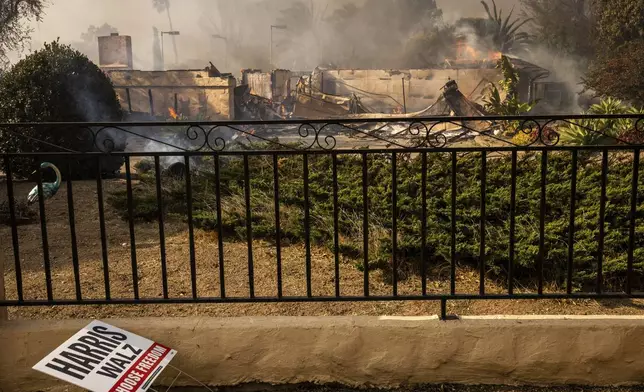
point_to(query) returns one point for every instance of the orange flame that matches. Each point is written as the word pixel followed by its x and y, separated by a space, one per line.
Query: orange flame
pixel 173 113
pixel 467 52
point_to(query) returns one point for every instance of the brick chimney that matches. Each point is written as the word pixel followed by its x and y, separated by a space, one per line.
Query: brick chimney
pixel 115 52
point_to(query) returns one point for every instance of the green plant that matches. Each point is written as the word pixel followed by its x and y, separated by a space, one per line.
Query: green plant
pixel 603 131
pixel 57 84
pixel 409 204
pixel 510 105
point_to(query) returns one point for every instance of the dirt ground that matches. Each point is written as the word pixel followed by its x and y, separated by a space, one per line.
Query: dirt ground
pixel 236 272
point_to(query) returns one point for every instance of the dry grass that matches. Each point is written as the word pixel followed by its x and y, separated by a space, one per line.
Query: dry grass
pixel 236 272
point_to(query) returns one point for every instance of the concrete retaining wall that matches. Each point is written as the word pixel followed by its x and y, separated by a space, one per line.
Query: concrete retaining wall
pixel 361 351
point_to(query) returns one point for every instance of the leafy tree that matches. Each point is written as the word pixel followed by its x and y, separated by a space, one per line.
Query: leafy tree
pixel 565 27
pixel 56 84
pixel 619 22
pixel 619 73
pixel 14 31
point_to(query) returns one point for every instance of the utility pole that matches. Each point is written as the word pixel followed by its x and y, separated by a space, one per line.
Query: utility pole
pixel 162 46
pixel 278 27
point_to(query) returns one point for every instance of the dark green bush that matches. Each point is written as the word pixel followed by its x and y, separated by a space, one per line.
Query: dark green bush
pixel 56 84
pixel 409 203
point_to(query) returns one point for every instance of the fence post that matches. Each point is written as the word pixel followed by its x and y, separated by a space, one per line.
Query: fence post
pixel 3 309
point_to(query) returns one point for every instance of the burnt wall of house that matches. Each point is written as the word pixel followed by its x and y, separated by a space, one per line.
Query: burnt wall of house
pixel 259 83
pixel 274 85
pixel 192 93
pixel 382 90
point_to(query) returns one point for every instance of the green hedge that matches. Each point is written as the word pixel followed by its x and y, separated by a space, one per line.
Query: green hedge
pixel 57 84
pixel 438 237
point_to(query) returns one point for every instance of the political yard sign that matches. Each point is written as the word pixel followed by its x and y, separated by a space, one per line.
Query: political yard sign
pixel 103 358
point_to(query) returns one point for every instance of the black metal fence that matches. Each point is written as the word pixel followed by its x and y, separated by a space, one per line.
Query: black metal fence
pixel 394 167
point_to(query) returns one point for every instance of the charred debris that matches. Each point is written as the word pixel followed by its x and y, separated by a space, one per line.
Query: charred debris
pixel 456 89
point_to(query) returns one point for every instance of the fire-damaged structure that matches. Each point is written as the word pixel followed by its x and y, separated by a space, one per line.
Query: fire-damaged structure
pixel 326 92
pixel 335 93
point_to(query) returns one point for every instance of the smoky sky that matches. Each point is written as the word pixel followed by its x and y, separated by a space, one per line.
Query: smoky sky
pixel 246 23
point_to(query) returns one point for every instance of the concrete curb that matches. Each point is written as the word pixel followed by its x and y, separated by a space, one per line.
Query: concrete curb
pixel 363 351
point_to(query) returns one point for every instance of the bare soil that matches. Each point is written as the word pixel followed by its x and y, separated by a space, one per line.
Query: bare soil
pixel 236 271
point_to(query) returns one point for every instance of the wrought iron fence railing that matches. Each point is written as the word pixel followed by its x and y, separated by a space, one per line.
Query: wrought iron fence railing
pixel 512 198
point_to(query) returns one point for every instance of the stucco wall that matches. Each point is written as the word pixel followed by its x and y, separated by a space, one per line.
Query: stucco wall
pixel 273 85
pixel 259 83
pixel 422 86
pixel 358 351
pixel 197 93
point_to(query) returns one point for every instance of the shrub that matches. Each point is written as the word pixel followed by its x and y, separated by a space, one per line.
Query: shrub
pixel 438 241
pixel 603 131
pixel 56 84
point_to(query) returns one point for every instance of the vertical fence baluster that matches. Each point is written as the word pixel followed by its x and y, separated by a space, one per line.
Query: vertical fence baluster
pixel 571 224
pixel 72 231
pixel 130 215
pixel 307 223
pixel 249 228
pixel 602 219
pixel 423 224
pixel 394 223
pixel 164 268
pixel 513 208
pixel 220 230
pixel 482 227
pixel 453 229
pixel 633 215
pixel 365 222
pixel 14 227
pixel 336 239
pixel 43 230
pixel 542 220
pixel 101 221
pixel 278 236
pixel 191 229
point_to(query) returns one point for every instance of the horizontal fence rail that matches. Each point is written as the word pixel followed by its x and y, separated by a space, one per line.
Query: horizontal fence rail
pixel 517 202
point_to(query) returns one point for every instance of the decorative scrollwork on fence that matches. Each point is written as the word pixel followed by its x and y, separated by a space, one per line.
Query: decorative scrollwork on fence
pixel 388 133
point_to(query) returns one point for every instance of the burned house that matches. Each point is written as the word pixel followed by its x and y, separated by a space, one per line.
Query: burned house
pixel 323 93
pixel 203 93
